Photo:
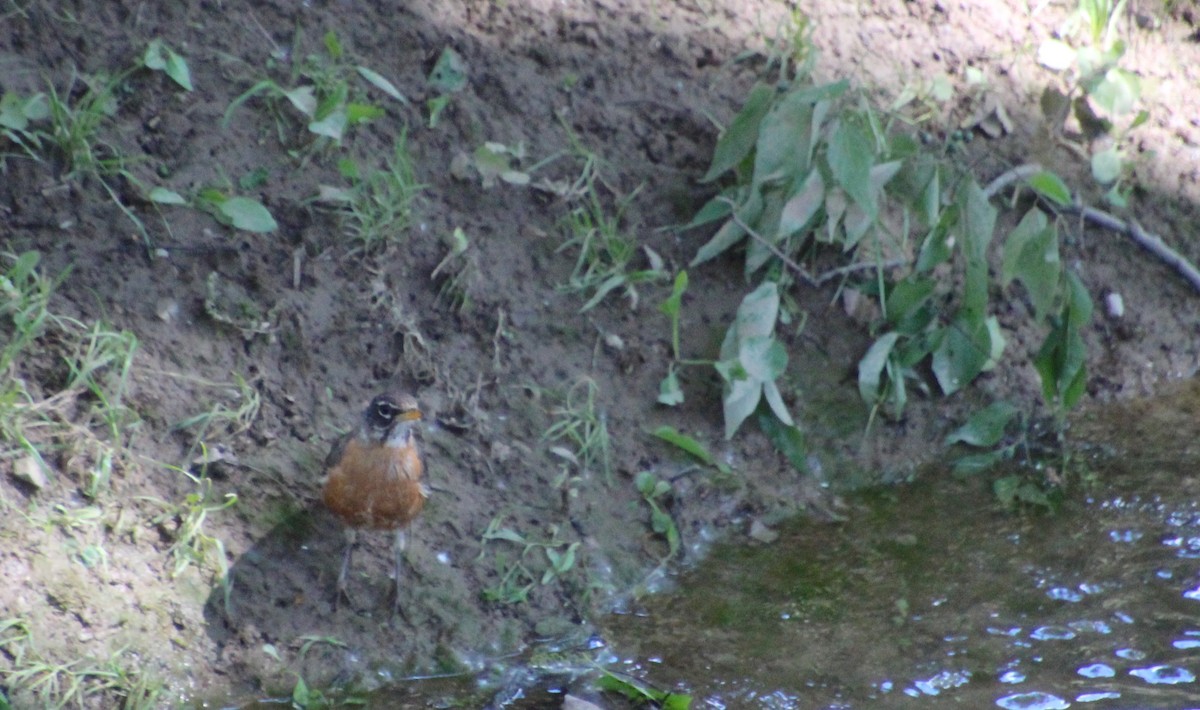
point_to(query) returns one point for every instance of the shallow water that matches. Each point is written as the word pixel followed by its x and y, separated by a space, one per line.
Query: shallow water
pixel 929 596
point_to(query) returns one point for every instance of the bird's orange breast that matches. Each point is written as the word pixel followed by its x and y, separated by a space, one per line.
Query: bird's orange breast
pixel 376 486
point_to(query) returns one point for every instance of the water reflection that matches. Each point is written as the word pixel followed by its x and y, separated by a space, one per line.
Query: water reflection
pixel 930 597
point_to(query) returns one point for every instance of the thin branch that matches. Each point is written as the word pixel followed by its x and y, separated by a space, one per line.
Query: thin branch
pixel 788 261
pixel 1147 240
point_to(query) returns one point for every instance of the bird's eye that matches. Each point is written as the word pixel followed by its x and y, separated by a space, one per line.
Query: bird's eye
pixel 386 410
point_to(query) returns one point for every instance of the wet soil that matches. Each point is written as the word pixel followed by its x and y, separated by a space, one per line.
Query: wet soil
pixel 312 325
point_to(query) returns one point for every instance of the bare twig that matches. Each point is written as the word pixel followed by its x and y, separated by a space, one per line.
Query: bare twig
pixel 787 260
pixel 1147 240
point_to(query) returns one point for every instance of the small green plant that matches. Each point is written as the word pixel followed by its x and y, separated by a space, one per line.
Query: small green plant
pixel 160 57
pixel 448 76
pixel 1087 52
pixel 83 682
pixel 1000 433
pixel 605 251
pixel 654 491
pixel 811 174
pixel 184 522
pixel 578 422
pixel 322 92
pixel 458 272
pixel 378 206
pixel 519 576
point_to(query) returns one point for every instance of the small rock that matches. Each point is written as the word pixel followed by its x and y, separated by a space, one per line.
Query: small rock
pixel 759 531
pixel 31 470
pixel 1114 305
pixel 571 702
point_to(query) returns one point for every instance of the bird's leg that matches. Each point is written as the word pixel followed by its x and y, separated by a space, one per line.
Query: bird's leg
pixel 398 550
pixel 351 539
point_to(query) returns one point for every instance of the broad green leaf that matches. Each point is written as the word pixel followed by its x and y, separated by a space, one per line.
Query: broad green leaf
pixel 767 229
pixel 763 357
pixel 731 232
pixel 163 196
pixel 775 400
pixel 786 438
pixel 996 338
pixel 979 221
pixel 964 351
pixel 1117 92
pixel 684 442
pixel 332 126
pixel 985 427
pixel 740 400
pixel 937 247
pixel 1031 256
pixel 870 367
pixel 303 98
pixel 801 207
pixel 380 82
pixel 907 300
pixel 739 137
pixel 247 214
pixel 177 69
pixel 851 157
pixel 1106 165
pixel 1052 187
pixel 450 73
pixel 758 312
pixel 783 139
pixel 1061 361
pixel 715 209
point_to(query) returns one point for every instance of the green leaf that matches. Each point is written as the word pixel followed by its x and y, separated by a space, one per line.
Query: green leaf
pixel 775 401
pixel 669 391
pixel 332 126
pixel 163 196
pixel 1031 256
pixel 301 97
pixel 906 301
pixel 870 367
pixel 1056 55
pixel 739 137
pixel 1061 361
pixel 965 349
pixel 740 400
pixel 449 74
pixel 332 45
pixel 247 214
pixel 1117 92
pixel 757 313
pixel 985 427
pixel 1052 187
pixel 788 439
pixel 674 303
pixel 851 157
pixel 1106 165
pixel 685 443
pixel 360 113
pixel 380 82
pixel 763 358
pixel 801 207
pixel 783 140
pixel 979 222
pixel 977 463
pixel 177 69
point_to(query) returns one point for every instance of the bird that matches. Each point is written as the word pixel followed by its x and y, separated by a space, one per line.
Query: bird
pixel 373 479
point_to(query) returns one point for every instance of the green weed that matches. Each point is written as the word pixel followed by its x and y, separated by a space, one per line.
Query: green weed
pixel 654 491
pixel 82 682
pixel 323 89
pixel 458 271
pixel 519 576
pixel 378 205
pixel 578 422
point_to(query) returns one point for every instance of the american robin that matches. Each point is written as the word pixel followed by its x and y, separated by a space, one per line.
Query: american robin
pixel 373 478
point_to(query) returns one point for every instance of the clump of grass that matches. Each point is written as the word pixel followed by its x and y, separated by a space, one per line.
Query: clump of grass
pixel 378 205
pixel 578 422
